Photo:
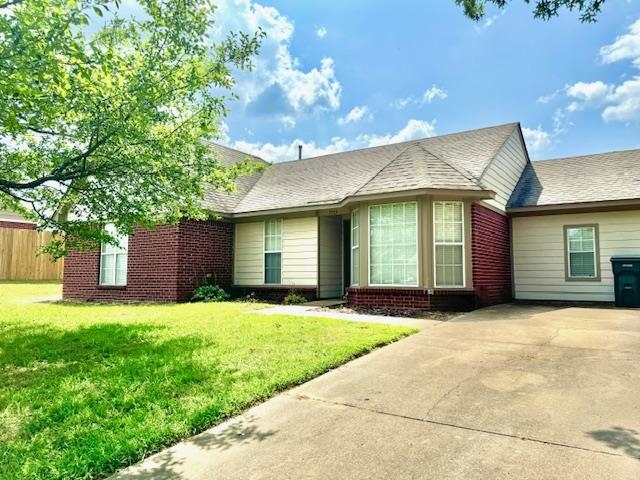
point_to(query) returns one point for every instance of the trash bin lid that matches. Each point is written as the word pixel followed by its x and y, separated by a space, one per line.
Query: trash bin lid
pixel 625 258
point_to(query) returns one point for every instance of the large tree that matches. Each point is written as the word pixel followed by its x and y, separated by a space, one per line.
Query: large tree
pixel 543 9
pixel 102 111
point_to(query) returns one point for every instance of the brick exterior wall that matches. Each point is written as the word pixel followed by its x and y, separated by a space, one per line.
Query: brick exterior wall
pixel 19 225
pixel 274 293
pixel 491 250
pixel 164 264
pixel 205 255
pixel 412 298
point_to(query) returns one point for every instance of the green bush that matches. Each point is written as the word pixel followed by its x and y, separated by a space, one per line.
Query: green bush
pixel 209 293
pixel 294 298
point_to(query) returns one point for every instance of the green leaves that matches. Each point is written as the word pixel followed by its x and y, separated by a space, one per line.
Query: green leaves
pixel 102 115
pixel 544 9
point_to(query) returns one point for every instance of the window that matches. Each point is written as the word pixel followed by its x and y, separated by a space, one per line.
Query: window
pixel 448 231
pixel 113 259
pixel 393 244
pixel 273 251
pixel 355 247
pixel 582 252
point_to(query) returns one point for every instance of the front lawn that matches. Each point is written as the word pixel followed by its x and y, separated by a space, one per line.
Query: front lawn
pixel 88 389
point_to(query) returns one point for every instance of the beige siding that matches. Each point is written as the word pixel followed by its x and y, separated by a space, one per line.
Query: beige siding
pixel 503 173
pixel 330 281
pixel 539 258
pixel 248 268
pixel 300 251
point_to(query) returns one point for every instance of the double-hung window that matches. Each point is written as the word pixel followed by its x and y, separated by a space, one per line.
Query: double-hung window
pixel 113 259
pixel 582 252
pixel 393 244
pixel 355 247
pixel 448 234
pixel 273 251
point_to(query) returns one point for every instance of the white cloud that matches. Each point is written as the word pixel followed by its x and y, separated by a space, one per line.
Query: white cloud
pixel 625 47
pixel 279 84
pixel 537 140
pixel 544 99
pixel 428 96
pixel 355 115
pixel 619 102
pixel 414 129
pixel 433 93
pixel 625 102
pixel 321 32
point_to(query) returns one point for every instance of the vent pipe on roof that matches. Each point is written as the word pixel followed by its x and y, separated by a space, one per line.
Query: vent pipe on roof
pixel 299 152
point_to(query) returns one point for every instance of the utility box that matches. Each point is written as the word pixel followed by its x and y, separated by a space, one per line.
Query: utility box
pixel 626 273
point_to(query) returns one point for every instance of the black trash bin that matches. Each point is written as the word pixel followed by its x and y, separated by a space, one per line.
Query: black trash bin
pixel 626 272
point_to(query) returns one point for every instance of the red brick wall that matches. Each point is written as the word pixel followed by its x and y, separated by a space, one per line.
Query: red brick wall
pixel 205 255
pixel 165 264
pixel 411 298
pixel 21 225
pixel 152 270
pixel 491 249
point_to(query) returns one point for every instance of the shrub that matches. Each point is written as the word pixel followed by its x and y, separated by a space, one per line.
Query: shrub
pixel 294 298
pixel 209 293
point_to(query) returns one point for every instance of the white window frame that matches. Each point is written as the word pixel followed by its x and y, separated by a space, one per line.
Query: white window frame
pixel 265 251
pixel 596 266
pixel 436 243
pixel 355 235
pixel 110 250
pixel 399 285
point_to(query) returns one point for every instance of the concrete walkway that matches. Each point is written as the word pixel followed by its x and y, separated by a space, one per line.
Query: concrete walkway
pixel 313 311
pixel 502 393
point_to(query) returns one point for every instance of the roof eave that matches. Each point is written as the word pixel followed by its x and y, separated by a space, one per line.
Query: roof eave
pixel 458 193
pixel 578 207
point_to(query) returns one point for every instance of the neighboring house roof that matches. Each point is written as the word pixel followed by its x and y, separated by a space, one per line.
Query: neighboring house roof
pixel 9 216
pixel 454 161
pixel 612 176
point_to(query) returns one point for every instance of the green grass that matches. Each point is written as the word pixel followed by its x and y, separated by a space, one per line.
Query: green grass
pixel 87 389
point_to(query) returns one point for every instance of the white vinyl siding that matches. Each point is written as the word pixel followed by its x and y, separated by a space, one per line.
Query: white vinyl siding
pixel 539 254
pixel 448 237
pixel 299 252
pixel 114 259
pixel 355 247
pixel 248 268
pixel 393 244
pixel 581 252
pixel 505 170
pixel 273 251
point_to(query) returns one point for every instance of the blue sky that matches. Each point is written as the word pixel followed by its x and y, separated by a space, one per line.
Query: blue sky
pixel 341 75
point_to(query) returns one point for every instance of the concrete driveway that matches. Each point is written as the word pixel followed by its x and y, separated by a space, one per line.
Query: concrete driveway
pixel 506 392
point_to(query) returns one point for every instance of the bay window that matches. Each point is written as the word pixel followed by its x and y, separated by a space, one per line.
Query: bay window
pixel 448 235
pixel 393 244
pixel 355 247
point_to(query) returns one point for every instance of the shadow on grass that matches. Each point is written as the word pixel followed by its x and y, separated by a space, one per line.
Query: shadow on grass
pixel 84 402
pixel 618 438
pixel 170 464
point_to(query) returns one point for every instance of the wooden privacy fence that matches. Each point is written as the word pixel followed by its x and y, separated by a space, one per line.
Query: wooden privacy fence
pixel 20 257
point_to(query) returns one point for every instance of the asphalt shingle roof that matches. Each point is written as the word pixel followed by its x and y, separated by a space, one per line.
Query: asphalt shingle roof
pixel 453 161
pixel 590 178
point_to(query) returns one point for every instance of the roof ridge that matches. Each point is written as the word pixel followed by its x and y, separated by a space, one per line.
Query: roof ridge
pixel 575 157
pixel 462 171
pixel 219 145
pixel 393 159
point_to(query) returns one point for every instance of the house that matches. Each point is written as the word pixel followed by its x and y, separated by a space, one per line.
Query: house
pixel 455 221
pixel 9 219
